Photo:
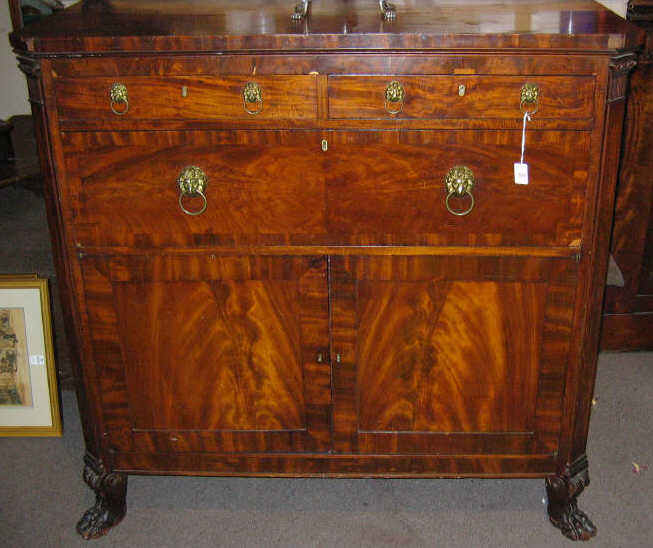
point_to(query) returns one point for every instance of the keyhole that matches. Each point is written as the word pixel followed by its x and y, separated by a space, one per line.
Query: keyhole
pixel 325 145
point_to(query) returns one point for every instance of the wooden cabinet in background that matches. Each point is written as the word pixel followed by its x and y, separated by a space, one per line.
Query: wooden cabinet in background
pixel 628 309
pixel 302 251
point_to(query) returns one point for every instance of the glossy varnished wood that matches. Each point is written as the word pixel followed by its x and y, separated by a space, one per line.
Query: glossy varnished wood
pixel 441 97
pixel 208 25
pixel 196 98
pixel 367 188
pixel 450 355
pixel 211 353
pixel 326 315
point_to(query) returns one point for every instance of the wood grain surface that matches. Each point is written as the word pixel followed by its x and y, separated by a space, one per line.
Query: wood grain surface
pixel 211 353
pixel 368 188
pixel 152 98
pixel 439 97
pixel 219 25
pixel 326 315
pixel 450 355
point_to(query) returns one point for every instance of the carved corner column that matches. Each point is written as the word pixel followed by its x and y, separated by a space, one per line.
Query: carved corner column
pixel 562 491
pixel 582 385
pixel 110 499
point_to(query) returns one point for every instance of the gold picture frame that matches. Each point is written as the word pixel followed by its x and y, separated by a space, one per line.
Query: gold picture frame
pixel 29 396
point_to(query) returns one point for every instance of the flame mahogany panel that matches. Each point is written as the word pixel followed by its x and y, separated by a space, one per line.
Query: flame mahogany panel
pixel 450 355
pixel 211 353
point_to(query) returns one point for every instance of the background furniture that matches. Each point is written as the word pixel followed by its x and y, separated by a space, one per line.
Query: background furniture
pixel 628 310
pixel 296 247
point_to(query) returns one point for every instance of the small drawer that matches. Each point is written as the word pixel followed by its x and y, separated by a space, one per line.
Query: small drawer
pixel 188 98
pixel 441 97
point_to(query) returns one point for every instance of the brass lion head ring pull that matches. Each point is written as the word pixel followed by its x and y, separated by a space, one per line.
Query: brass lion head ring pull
pixel 530 99
pixel 395 94
pixel 459 182
pixel 192 182
pixel 118 96
pixel 252 96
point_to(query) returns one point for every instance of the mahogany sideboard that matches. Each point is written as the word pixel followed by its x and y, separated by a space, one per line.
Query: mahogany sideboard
pixel 291 243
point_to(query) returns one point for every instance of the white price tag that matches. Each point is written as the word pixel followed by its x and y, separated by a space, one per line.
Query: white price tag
pixel 37 360
pixel 521 174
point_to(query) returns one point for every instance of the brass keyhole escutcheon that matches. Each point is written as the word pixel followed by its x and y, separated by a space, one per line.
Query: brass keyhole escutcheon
pixel 192 182
pixel 459 182
pixel 395 94
pixel 252 95
pixel 119 99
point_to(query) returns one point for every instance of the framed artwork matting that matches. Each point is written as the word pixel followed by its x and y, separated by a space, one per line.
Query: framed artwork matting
pixel 29 398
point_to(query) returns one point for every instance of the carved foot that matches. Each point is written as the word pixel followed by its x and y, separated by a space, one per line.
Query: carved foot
pixel 562 491
pixel 110 500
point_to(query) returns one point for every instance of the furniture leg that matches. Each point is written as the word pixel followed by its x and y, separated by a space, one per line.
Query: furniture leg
pixel 562 491
pixel 110 499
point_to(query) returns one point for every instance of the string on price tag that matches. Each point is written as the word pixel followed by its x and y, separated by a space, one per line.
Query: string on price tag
pixel 521 169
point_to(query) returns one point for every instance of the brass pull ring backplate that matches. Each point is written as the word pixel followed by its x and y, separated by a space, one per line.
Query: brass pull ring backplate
pixel 192 182
pixel 530 97
pixel 252 95
pixel 459 181
pixel 395 94
pixel 118 96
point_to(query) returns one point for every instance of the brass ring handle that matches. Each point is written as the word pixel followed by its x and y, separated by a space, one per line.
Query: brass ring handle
pixel 530 95
pixel 463 212
pixel 118 96
pixel 189 212
pixel 252 95
pixel 192 182
pixel 459 182
pixel 395 94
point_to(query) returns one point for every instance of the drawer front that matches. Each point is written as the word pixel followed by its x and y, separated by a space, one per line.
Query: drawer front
pixel 186 98
pixel 260 187
pixel 367 188
pixel 431 97
pixel 389 188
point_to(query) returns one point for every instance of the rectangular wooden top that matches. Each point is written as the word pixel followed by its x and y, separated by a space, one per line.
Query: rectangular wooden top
pixel 105 26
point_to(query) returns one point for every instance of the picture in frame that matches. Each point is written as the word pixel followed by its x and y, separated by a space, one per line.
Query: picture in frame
pixel 29 398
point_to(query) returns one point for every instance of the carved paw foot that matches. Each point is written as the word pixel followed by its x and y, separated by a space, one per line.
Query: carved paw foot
pixel 562 491
pixel 110 496
pixel 574 523
pixel 97 520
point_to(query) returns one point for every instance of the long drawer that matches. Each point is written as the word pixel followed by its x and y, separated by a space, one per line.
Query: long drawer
pixel 324 188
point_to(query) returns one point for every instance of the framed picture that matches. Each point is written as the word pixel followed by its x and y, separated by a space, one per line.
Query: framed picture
pixel 29 399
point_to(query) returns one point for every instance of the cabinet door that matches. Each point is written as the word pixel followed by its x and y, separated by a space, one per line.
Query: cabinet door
pixel 210 353
pixel 450 355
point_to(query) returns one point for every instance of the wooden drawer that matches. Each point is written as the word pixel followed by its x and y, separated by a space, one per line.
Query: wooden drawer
pixel 368 188
pixel 188 98
pixel 363 97
pixel 261 186
pixel 388 188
